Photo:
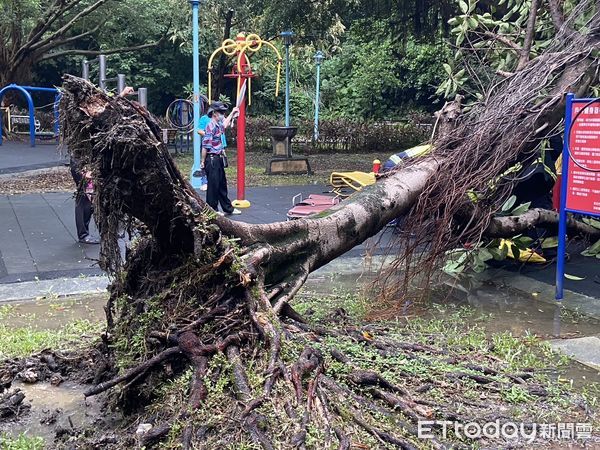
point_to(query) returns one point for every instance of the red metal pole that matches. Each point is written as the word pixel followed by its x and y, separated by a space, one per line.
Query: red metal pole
pixel 241 151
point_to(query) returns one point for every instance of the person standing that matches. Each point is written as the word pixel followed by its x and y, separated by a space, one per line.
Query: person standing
pixel 213 157
pixel 83 202
pixel 204 121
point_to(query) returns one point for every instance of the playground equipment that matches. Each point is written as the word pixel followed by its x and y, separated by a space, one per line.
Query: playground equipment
pixel 314 204
pixel 196 175
pixel 30 119
pixel 180 117
pixel 242 71
pixel 121 79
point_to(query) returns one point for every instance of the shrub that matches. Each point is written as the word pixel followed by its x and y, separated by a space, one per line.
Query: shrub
pixel 340 135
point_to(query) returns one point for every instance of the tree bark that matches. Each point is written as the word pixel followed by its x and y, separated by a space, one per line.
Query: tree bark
pixel 513 225
pixel 223 58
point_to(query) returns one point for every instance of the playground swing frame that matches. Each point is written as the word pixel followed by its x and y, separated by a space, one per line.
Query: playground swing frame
pixel 26 91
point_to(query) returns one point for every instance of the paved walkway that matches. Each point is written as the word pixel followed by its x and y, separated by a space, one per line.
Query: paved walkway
pixel 19 156
pixel 38 238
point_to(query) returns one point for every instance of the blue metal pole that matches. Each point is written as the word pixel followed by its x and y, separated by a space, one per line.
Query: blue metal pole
pixel 57 112
pixel 562 214
pixel 317 101
pixel 31 119
pixel 196 183
pixel 287 85
pixel 40 89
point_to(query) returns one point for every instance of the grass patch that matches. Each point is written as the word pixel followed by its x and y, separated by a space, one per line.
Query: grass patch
pixel 319 307
pixel 21 442
pixel 23 341
pixel 256 164
pixel 27 339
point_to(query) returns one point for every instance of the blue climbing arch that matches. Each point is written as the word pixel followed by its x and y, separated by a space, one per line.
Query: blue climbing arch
pixel 26 91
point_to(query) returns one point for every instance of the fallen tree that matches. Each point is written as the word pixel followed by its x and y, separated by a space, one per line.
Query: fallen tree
pixel 199 295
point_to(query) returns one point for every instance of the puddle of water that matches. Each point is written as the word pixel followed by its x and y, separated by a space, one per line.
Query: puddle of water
pixel 45 400
pixel 51 314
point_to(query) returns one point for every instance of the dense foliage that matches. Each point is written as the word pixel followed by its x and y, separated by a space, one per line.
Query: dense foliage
pixel 382 57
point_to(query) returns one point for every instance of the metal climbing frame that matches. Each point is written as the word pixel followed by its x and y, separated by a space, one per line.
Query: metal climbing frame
pixel 121 79
pixel 26 91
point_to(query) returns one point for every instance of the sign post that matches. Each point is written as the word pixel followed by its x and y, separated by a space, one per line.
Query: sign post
pixel 580 184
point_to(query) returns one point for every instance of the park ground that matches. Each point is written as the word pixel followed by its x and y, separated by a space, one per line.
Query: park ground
pixel 59 179
pixel 52 295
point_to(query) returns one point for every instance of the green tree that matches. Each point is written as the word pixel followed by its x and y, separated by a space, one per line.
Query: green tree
pixel 34 31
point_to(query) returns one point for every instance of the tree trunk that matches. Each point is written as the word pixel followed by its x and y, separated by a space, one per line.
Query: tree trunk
pixel 223 57
pixel 203 294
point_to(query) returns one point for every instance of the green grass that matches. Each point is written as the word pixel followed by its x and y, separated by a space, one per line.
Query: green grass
pixel 256 163
pixel 21 442
pixel 316 307
pixel 25 340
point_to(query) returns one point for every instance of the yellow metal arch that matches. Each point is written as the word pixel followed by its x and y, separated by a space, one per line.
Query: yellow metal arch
pixel 252 43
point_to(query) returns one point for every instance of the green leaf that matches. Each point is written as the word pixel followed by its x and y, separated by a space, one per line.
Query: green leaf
pixel 592 222
pixel 484 254
pixel 573 277
pixel 515 251
pixel 509 203
pixel 448 69
pixel 593 250
pixel 551 242
pixel 472 22
pixel 521 209
pixel 523 242
pixel 463 6
pixel 448 89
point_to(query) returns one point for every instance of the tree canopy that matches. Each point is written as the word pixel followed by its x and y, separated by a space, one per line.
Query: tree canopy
pixel 379 54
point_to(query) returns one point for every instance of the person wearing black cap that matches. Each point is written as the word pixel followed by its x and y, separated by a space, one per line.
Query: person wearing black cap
pixel 213 157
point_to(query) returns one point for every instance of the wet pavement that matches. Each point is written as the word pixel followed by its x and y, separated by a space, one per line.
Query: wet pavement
pixel 38 238
pixel 18 157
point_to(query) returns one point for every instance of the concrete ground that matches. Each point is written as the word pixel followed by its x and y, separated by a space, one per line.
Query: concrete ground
pixel 18 157
pixel 38 240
